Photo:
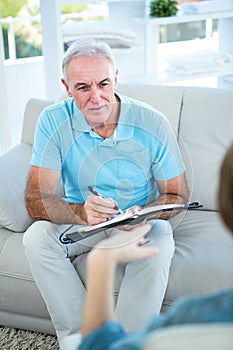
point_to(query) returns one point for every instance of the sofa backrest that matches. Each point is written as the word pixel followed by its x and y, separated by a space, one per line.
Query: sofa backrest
pixel 203 118
pixel 206 129
pixel 31 114
pixel 167 99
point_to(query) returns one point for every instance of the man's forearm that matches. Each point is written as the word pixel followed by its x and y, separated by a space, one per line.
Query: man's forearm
pixel 55 209
pixel 173 191
pixel 168 198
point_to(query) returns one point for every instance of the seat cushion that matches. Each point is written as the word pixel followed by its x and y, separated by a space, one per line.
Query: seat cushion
pixel 18 293
pixel 203 260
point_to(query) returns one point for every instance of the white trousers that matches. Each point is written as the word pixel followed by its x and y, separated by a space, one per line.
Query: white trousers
pixel 140 285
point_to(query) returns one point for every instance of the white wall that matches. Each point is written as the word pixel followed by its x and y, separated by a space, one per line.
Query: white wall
pixel 24 79
pixel 5 139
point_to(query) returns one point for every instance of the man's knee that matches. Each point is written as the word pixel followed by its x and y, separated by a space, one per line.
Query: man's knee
pixel 161 236
pixel 161 228
pixel 36 235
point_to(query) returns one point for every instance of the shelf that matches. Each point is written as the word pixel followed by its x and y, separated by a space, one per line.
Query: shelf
pixel 127 50
pixel 183 18
pixel 165 78
pixel 229 78
pixel 65 2
pixel 142 59
pixel 152 34
pixel 194 58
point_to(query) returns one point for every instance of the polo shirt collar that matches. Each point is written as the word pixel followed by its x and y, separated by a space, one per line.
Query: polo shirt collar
pixel 78 120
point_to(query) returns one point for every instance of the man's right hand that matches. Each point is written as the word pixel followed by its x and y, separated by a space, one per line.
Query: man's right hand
pixel 99 209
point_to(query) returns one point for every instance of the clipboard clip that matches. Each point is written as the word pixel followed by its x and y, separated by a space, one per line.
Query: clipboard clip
pixel 194 205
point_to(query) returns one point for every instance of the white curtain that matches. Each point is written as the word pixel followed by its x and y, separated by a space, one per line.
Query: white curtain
pixel 5 138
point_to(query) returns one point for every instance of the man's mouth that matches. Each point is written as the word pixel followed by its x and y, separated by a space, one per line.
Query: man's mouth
pixel 96 109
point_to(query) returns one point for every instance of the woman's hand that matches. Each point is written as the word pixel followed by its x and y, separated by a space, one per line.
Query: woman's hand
pixel 132 210
pixel 126 247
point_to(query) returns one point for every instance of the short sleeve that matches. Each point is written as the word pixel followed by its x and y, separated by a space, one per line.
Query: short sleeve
pixel 102 338
pixel 168 162
pixel 46 150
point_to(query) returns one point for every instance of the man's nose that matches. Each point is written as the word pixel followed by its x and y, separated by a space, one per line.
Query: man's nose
pixel 95 95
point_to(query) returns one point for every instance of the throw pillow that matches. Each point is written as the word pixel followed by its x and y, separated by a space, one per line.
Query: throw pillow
pixel 14 165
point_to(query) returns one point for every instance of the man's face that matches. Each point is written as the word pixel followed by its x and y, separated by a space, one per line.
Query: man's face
pixel 91 81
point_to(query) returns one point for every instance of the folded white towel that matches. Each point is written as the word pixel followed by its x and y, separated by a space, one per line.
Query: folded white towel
pixel 115 36
pixel 207 6
pixel 200 62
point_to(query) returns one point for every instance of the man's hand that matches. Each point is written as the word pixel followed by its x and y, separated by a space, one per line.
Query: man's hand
pixel 99 209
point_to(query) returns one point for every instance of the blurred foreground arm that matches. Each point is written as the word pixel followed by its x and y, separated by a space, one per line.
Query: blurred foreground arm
pixel 101 265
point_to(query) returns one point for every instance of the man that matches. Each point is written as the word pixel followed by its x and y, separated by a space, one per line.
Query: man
pixel 99 329
pixel 125 149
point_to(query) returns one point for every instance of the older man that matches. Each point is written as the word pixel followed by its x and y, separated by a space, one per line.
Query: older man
pixel 128 151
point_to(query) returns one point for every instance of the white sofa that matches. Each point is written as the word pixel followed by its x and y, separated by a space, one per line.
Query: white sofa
pixel 203 261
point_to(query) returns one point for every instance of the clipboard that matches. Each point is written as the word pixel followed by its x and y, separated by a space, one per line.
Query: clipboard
pixel 125 218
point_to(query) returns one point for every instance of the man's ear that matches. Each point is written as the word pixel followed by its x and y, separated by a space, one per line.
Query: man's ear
pixel 116 79
pixel 66 87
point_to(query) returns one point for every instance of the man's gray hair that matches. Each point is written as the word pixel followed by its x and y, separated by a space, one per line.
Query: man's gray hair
pixel 88 48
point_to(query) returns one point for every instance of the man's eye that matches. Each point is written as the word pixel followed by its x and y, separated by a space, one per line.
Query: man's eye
pixel 82 88
pixel 104 84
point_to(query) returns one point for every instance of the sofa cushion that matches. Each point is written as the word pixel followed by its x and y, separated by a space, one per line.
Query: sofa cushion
pixel 14 165
pixel 166 99
pixel 203 260
pixel 206 130
pixel 19 293
pixel 32 111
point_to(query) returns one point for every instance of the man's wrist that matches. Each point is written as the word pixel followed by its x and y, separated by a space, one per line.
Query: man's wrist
pixel 79 212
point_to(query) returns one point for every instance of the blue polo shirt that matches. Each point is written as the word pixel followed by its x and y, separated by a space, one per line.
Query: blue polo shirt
pixel 124 166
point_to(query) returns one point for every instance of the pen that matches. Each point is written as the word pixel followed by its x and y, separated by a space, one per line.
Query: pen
pixel 92 190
